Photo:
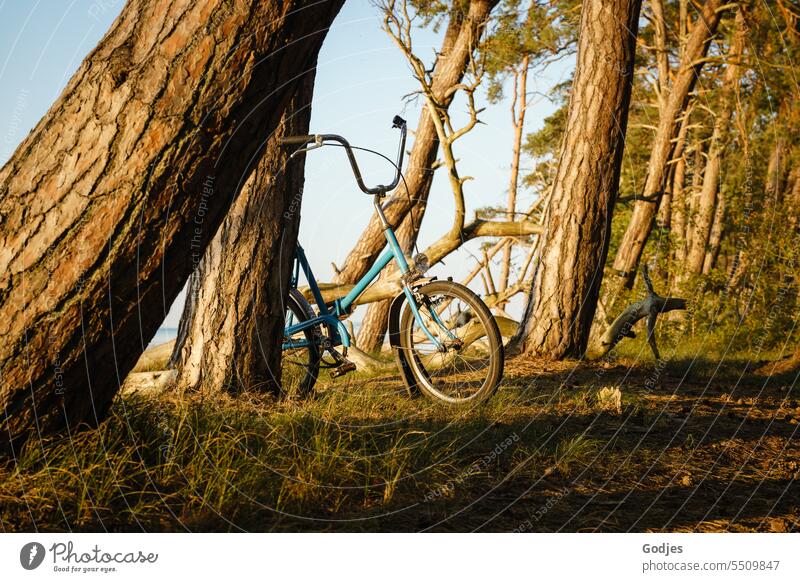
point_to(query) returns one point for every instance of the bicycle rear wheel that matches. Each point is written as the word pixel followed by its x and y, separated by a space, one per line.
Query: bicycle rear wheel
pixel 300 356
pixel 470 366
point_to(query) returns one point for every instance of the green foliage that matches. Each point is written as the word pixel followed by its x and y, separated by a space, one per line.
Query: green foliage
pixel 542 31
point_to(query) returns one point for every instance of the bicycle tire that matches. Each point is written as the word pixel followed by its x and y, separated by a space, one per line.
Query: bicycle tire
pixel 433 375
pixel 301 364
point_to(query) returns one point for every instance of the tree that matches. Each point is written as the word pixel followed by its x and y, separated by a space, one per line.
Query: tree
pixel 527 37
pixel 678 207
pixel 125 179
pixel 446 75
pixel 406 208
pixel 521 36
pixel 574 244
pixel 232 323
pixel 519 107
pixel 710 202
pixel 663 145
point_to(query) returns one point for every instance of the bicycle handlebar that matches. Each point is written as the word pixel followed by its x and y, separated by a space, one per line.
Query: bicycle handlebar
pixel 297 139
pixel 320 139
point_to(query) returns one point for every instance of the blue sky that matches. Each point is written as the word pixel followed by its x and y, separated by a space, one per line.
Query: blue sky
pixel 361 80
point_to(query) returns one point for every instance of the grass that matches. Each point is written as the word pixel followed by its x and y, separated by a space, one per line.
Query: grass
pixel 361 456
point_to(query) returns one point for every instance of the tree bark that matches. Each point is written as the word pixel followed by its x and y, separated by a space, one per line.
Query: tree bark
pixel 641 223
pixel 665 211
pixel 107 203
pixel 234 320
pixel 461 38
pixel 709 194
pixel 678 209
pixel 577 225
pixel 715 236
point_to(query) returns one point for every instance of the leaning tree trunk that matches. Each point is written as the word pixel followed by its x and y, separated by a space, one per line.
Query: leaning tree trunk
pixel 123 182
pixel 232 324
pixel 577 225
pixel 461 38
pixel 644 212
pixel 710 192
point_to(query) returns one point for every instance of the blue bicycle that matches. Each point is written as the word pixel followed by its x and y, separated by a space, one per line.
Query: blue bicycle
pixel 444 339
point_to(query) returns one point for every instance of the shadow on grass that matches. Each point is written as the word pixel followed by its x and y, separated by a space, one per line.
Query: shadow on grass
pixel 543 455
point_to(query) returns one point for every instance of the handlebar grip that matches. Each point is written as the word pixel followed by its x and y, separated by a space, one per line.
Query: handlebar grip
pixel 297 139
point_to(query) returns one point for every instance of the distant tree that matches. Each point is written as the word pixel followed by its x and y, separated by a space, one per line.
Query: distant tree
pixel 663 144
pixel 710 211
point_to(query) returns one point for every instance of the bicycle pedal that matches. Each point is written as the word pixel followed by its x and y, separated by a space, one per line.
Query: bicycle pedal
pixel 342 369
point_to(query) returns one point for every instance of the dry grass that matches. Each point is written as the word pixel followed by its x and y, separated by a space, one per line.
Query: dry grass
pixel 546 454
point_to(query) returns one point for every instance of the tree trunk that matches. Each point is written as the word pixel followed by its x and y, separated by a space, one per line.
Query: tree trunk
pixel 678 208
pixel 693 202
pixel 521 97
pixel 715 236
pixel 776 167
pixel 662 56
pixel 709 193
pixel 577 225
pixel 107 203
pixel 665 211
pixel 703 217
pixel 232 322
pixel 793 199
pixel 678 203
pixel 641 223
pixel 461 38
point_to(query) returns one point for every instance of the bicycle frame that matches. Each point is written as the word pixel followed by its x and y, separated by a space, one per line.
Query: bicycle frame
pixel 341 306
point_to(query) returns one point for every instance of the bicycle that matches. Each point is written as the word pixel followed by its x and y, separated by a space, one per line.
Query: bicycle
pixel 443 337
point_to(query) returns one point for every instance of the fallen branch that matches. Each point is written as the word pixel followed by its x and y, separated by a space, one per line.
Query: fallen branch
pixel 388 288
pixel 651 307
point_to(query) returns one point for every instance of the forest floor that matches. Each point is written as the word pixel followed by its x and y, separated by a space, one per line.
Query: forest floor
pixel 690 445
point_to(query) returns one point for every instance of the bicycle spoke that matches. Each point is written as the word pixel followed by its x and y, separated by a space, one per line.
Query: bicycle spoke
pixel 457 372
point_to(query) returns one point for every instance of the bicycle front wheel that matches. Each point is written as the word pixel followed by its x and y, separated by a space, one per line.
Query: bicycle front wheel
pixel 467 365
